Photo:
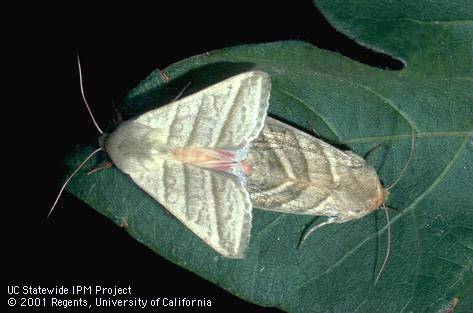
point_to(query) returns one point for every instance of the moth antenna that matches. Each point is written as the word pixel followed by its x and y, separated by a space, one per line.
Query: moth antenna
pixel 313 228
pixel 409 159
pixel 388 249
pixel 81 84
pixel 85 100
pixel 70 177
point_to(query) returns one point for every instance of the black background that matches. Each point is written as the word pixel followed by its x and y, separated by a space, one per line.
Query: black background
pixel 118 48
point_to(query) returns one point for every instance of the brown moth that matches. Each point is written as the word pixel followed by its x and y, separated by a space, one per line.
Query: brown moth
pixel 293 172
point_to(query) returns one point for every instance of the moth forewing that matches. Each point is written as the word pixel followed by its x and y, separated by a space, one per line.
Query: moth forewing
pixel 294 172
pixel 188 155
pixel 290 171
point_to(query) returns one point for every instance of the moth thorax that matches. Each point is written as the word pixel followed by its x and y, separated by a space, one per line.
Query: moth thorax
pixel 373 203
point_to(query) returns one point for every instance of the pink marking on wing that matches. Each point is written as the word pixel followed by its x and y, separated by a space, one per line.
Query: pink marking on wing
pixel 247 168
pixel 211 158
pixel 224 167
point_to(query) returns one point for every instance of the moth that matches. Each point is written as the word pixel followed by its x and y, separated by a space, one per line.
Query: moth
pixel 190 156
pixel 211 157
pixel 293 172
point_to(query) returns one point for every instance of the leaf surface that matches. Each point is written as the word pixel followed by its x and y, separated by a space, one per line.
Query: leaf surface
pixel 357 107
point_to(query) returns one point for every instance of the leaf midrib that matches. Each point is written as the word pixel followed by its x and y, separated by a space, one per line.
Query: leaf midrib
pixel 370 139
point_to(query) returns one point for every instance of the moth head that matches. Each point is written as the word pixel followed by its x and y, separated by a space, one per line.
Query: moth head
pixel 367 205
pixel 383 192
pixel 382 195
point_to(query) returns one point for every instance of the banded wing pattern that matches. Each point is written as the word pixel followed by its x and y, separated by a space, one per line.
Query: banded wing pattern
pixel 214 205
pixel 226 115
pixel 168 153
pixel 294 172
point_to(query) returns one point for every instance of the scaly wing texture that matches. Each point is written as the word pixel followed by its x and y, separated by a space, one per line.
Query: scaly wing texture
pixel 294 172
pixel 213 204
pixel 225 115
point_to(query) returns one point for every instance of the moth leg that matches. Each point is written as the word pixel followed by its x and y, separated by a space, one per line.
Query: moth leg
pixel 330 220
pixel 164 75
pixel 166 78
pixel 368 156
pixel 179 95
pixel 101 166
pixel 117 116
pixel 315 133
pixel 124 223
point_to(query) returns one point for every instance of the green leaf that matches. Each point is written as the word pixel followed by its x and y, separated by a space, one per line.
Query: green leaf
pixel 358 106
